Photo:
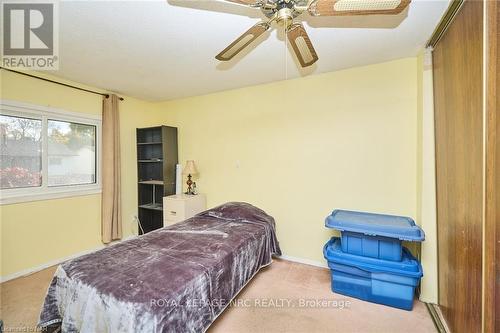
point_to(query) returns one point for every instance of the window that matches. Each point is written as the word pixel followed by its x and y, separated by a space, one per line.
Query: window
pixel 20 152
pixel 47 153
pixel 71 153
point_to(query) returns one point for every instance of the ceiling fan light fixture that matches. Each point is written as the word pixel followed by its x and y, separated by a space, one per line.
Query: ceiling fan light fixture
pixel 364 5
pixel 284 17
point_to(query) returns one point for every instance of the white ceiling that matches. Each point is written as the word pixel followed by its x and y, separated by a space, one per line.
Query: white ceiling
pixel 159 50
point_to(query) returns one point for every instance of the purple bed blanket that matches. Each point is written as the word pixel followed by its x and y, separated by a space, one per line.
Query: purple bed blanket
pixel 174 279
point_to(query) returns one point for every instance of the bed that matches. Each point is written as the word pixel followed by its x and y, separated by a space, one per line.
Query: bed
pixel 174 279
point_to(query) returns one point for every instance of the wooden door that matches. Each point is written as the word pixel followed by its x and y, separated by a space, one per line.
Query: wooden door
pixel 492 197
pixel 458 82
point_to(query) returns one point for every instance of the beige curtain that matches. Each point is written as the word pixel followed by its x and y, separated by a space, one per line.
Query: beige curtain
pixel 111 184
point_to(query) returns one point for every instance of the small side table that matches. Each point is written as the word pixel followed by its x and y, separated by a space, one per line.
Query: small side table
pixel 177 208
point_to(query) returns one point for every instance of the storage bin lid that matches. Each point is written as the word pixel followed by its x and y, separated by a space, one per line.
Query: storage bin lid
pixel 408 266
pixel 371 224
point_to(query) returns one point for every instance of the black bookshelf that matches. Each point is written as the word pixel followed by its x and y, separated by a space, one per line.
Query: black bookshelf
pixel 156 159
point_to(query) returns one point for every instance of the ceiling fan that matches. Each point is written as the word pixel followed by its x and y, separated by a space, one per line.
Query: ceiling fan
pixel 283 12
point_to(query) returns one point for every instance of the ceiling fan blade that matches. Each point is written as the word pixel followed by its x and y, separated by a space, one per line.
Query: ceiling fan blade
pixel 301 45
pixel 246 2
pixel 357 7
pixel 243 41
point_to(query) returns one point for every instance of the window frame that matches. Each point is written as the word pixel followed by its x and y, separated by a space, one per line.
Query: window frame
pixel 46 192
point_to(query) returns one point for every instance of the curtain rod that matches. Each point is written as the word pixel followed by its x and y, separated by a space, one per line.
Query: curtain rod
pixel 60 83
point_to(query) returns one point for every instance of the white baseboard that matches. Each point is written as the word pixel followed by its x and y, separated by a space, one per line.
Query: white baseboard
pixel 51 263
pixel 305 261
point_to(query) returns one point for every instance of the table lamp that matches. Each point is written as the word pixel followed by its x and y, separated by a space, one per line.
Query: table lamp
pixel 189 170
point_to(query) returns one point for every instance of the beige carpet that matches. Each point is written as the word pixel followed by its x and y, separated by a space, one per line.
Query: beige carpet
pixel 263 306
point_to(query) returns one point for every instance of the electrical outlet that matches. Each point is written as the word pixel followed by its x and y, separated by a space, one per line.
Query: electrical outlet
pixel 134 225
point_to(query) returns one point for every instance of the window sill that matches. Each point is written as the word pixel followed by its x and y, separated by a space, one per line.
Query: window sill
pixel 48 195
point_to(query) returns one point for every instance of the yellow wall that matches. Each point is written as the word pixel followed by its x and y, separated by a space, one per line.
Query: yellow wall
pixel 38 232
pixel 300 148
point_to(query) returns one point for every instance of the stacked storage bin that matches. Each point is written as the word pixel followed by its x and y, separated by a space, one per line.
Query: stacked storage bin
pixel 368 261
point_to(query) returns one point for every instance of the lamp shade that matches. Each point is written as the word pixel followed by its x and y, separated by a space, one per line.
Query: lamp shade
pixel 190 168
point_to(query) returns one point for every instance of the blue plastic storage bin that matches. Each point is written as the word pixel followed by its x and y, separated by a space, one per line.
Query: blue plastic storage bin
pixel 379 281
pixel 374 235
